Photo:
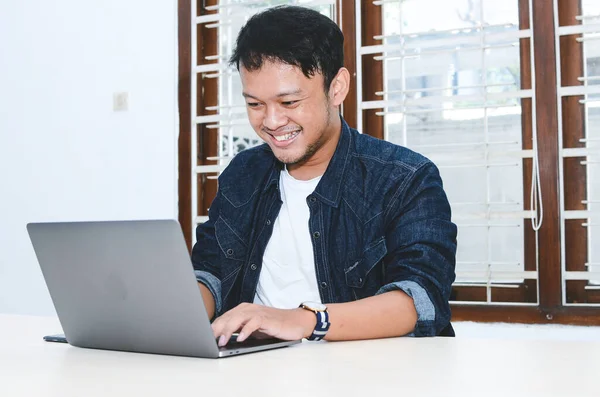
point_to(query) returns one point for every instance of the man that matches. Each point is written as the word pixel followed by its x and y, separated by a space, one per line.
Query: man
pixel 321 232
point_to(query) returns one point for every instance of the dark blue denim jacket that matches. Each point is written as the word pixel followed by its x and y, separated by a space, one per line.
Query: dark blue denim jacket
pixel 379 220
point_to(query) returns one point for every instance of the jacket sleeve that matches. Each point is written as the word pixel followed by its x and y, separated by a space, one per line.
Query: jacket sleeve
pixel 421 241
pixel 205 255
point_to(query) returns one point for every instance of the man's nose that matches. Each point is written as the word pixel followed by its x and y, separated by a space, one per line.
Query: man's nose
pixel 275 118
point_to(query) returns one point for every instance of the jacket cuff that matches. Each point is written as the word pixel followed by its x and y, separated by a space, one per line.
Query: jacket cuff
pixel 425 310
pixel 214 286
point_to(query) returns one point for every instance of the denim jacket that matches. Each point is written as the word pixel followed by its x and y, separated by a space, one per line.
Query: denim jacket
pixel 379 220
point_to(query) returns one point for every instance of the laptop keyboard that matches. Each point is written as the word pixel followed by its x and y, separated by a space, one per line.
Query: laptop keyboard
pixel 251 342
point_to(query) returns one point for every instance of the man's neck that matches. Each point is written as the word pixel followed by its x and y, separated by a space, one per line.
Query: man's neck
pixel 317 164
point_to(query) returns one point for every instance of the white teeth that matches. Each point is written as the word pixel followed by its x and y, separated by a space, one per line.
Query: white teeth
pixel 286 137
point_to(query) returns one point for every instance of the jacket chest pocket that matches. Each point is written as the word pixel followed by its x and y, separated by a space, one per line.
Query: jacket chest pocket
pixel 233 249
pixel 364 275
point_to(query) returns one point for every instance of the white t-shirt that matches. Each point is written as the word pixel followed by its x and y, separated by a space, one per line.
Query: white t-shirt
pixel 288 275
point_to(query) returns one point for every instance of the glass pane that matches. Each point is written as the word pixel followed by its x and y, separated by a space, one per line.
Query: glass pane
pixel 591 50
pixel 592 106
pixel 453 84
pixel 590 225
pixel 500 12
pixel 467 197
pixel 503 241
pixel 592 129
pixel 473 246
pixel 591 8
pixel 415 16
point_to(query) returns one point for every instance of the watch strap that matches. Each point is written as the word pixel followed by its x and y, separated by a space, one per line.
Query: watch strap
pixel 322 326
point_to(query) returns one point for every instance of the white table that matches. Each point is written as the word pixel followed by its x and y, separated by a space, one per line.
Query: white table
pixel 395 367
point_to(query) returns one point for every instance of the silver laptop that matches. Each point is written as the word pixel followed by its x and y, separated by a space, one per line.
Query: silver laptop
pixel 129 286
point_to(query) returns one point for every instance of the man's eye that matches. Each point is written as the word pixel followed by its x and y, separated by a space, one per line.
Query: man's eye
pixel 252 104
pixel 289 103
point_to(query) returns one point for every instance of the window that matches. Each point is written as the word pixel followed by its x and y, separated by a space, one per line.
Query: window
pixel 453 92
pixel 578 38
pixel 476 87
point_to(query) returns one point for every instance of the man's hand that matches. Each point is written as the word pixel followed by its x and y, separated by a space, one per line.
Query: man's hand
pixel 248 318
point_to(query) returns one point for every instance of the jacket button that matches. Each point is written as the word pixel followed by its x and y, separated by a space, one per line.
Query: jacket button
pixel 229 252
pixel 268 221
pixel 253 266
pixel 313 199
pixel 317 234
pixel 323 285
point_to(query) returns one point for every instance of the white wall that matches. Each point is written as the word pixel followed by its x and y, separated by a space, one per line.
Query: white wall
pixel 64 154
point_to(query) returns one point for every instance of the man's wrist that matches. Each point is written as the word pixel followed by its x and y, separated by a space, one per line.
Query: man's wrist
pixel 307 320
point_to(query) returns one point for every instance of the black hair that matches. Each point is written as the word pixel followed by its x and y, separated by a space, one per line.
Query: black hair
pixel 293 35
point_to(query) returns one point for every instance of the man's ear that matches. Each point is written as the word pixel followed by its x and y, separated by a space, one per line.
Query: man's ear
pixel 340 85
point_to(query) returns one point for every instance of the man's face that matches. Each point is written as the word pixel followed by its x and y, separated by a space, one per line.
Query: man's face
pixel 290 112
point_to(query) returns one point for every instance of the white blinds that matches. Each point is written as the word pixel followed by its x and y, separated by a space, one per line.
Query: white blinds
pixel 586 29
pixel 452 92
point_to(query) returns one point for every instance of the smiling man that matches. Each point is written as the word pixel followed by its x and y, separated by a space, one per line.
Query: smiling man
pixel 321 232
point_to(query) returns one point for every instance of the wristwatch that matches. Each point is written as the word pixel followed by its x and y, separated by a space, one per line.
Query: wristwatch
pixel 322 326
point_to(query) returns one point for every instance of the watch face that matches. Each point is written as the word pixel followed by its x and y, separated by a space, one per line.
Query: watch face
pixel 315 306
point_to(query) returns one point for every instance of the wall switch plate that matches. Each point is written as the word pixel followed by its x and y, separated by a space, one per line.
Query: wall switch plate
pixel 120 101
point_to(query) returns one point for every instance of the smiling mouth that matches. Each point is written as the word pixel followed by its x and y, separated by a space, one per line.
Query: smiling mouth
pixel 286 137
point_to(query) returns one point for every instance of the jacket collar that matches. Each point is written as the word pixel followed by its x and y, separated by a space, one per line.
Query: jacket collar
pixel 329 189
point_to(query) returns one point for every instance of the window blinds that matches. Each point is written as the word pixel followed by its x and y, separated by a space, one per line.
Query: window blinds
pixel 453 91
